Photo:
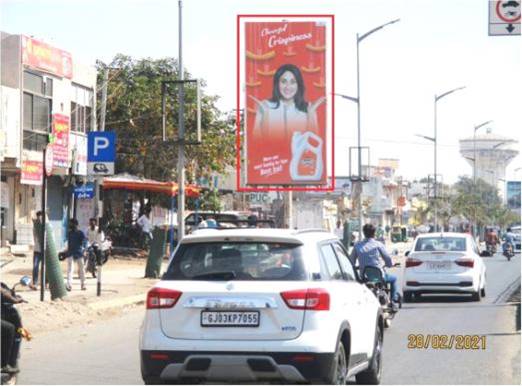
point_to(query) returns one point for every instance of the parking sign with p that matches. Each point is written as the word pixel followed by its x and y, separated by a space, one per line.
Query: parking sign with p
pixel 101 152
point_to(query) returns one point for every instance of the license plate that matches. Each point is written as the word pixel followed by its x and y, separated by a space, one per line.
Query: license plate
pixel 439 266
pixel 230 318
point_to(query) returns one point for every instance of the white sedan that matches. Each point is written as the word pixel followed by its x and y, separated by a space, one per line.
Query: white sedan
pixel 444 263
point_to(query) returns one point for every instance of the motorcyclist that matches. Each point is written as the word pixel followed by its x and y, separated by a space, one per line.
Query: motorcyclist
pixel 368 251
pixel 11 323
pixel 509 239
pixel 491 238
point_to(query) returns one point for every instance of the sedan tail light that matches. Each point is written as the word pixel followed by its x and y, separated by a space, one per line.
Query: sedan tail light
pixel 411 262
pixel 465 262
pixel 316 299
pixel 162 298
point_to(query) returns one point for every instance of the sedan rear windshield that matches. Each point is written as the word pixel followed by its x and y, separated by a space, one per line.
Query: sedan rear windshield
pixel 443 244
pixel 219 261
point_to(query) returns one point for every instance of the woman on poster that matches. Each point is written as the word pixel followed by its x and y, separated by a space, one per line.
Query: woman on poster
pixel 287 111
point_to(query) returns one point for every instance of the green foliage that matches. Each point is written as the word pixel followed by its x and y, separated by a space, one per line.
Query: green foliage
pixel 134 112
pixel 210 201
pixel 480 202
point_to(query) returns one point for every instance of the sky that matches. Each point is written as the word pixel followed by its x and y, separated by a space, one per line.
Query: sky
pixel 438 45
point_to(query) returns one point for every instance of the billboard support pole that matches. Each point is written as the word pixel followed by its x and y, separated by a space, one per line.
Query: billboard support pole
pixel 181 134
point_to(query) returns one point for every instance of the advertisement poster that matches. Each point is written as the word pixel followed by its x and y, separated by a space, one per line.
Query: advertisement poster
pixel 32 172
pixel 44 57
pixel 285 73
pixel 513 195
pixel 61 141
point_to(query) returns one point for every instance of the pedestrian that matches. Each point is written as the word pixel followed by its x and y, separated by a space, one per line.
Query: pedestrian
pixel 37 247
pixel 75 248
pixel 145 225
pixel 339 231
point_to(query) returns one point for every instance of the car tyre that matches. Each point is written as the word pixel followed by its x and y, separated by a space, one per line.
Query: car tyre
pixel 475 296
pixel 483 292
pixel 372 375
pixel 153 381
pixel 339 369
pixel 408 296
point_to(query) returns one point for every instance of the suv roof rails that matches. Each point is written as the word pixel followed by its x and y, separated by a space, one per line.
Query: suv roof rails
pixel 310 230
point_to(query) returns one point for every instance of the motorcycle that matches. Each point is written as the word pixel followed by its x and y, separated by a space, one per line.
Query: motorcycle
pixel 373 277
pixel 491 249
pixel 96 255
pixel 507 251
pixel 10 313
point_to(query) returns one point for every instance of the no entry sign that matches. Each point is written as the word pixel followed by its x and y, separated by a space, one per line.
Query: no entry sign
pixel 504 17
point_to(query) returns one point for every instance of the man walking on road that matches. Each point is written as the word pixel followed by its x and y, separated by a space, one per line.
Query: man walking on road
pixel 368 251
pixel 37 247
pixel 75 248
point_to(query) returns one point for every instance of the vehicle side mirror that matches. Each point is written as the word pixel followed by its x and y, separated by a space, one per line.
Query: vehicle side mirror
pixel 406 253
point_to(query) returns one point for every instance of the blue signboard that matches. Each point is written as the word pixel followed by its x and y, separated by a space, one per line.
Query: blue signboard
pixel 101 146
pixel 101 153
pixel 84 191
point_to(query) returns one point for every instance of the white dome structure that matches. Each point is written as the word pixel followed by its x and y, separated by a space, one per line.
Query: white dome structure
pixel 493 154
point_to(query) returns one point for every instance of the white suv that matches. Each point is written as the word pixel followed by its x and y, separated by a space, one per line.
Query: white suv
pixel 249 305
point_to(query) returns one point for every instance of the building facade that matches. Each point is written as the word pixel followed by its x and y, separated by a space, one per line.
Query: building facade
pixel 46 97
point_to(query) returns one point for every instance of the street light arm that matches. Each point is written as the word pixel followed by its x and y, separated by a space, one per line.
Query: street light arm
pixel 360 38
pixel 482 124
pixel 448 92
pixel 425 137
pixel 353 99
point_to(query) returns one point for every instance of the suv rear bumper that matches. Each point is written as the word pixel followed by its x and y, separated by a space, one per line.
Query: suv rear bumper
pixel 164 366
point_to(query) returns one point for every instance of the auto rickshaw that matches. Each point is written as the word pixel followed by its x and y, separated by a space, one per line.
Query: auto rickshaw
pixel 399 234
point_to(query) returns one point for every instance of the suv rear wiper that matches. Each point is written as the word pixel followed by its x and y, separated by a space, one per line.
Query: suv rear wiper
pixel 227 275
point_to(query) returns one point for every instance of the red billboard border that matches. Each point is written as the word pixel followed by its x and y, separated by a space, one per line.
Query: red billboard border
pixel 238 114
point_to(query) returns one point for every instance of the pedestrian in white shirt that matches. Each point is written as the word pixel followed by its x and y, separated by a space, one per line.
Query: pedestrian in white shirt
pixel 145 224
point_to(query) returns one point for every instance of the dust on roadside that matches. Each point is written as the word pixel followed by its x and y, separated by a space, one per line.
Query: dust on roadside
pixel 122 277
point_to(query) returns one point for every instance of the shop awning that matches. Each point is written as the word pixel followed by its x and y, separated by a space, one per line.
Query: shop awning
pixel 130 182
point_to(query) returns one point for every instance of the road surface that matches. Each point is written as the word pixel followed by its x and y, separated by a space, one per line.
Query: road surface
pixel 107 352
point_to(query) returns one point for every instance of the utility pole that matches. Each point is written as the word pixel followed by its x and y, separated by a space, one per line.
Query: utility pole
pixel 181 134
pixel 97 187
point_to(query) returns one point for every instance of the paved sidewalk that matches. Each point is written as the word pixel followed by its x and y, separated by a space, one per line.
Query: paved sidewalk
pixel 123 285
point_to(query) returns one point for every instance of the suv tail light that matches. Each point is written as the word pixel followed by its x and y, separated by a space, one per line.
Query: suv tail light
pixel 162 298
pixel 316 299
pixel 411 262
pixel 465 262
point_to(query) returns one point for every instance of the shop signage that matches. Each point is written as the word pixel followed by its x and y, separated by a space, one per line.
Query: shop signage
pixel 42 56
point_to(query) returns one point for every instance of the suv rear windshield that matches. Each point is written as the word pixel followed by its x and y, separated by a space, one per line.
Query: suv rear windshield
pixel 237 261
pixel 441 244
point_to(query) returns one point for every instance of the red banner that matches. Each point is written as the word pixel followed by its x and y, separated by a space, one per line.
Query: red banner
pixel 32 172
pixel 286 103
pixel 61 141
pixel 44 57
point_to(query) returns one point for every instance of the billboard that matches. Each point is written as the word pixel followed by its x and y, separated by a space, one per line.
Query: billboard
pixel 60 133
pixel 285 75
pixel 31 172
pixel 513 195
pixel 42 56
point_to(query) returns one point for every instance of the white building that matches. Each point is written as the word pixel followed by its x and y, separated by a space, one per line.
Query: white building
pixel 45 94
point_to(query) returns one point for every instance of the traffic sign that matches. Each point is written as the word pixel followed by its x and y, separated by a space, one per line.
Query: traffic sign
pixel 101 152
pixel 504 17
pixel 49 159
pixel 84 191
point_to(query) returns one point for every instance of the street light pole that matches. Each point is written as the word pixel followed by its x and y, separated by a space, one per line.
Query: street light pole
pixel 360 38
pixel 436 99
pixel 475 172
